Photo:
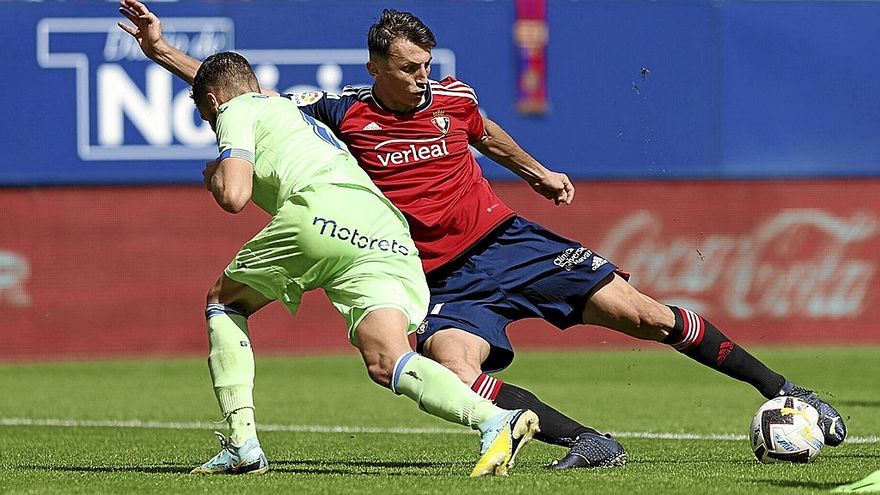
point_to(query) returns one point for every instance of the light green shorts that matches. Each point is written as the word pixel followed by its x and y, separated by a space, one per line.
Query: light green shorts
pixel 344 239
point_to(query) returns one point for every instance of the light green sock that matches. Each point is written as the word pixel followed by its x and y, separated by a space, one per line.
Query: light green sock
pixel 439 392
pixel 232 370
pixel 242 426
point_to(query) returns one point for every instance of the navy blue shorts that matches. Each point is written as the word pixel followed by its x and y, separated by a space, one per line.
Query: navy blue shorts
pixel 521 270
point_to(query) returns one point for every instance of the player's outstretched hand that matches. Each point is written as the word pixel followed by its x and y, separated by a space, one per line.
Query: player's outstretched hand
pixel 555 186
pixel 146 29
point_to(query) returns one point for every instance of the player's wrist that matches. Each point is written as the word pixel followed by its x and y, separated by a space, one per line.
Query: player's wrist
pixel 160 51
pixel 537 174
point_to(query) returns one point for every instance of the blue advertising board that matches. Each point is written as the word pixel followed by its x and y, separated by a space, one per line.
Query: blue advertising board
pixel 733 89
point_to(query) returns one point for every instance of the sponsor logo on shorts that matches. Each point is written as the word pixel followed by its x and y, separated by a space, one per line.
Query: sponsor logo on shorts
pixel 572 257
pixel 331 228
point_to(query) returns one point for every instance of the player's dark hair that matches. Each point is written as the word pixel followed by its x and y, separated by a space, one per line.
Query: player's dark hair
pixel 393 24
pixel 226 72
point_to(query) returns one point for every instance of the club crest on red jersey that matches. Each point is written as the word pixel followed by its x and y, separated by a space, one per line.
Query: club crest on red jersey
pixel 441 122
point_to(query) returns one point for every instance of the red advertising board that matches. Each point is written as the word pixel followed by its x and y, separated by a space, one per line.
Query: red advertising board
pixel 88 272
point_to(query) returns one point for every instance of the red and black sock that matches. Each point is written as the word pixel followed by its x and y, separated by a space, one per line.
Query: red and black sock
pixel 699 339
pixel 556 428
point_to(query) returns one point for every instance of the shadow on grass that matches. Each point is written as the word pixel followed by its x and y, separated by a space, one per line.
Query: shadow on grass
pixel 718 462
pixel 368 468
pixel 800 484
pixel 303 466
pixel 113 469
pixel 358 464
pixel 857 403
pixel 862 455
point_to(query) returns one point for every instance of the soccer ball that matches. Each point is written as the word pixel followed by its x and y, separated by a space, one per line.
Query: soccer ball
pixel 786 429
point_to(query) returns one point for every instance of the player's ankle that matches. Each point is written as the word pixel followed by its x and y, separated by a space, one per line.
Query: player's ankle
pixel 239 439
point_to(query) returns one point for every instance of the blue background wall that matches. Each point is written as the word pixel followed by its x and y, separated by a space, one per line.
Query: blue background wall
pixel 736 88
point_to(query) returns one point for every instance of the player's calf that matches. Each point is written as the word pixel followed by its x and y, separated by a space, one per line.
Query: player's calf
pixel 556 428
pixel 588 448
pixel 697 338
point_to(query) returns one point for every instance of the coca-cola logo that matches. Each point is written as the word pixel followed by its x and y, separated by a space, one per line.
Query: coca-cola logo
pixel 797 262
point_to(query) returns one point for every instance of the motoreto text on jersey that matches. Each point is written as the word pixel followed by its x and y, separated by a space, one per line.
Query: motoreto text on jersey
pixel 332 229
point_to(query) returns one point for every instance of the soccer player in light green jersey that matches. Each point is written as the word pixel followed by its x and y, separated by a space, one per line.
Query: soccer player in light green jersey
pixel 331 228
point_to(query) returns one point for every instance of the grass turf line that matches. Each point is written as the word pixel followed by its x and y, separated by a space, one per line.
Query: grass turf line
pixel 635 391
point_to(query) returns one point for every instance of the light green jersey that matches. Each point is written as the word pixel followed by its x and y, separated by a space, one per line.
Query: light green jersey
pixel 289 149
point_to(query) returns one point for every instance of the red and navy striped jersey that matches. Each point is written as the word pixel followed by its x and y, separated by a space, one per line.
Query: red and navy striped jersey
pixel 421 161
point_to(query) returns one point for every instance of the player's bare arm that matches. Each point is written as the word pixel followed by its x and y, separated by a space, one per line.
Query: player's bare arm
pixel 146 28
pixel 502 149
pixel 208 173
pixel 232 183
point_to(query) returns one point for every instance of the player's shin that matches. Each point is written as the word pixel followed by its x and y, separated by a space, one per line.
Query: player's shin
pixel 556 428
pixel 231 362
pixel 699 339
pixel 439 392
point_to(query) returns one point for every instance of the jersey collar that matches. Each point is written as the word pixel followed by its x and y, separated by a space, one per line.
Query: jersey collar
pixel 425 104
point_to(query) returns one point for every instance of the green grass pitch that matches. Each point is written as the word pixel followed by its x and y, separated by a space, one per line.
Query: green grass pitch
pixel 140 426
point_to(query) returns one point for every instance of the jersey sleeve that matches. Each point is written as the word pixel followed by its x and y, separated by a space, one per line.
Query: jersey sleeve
pixel 472 117
pixel 328 108
pixel 474 120
pixel 235 132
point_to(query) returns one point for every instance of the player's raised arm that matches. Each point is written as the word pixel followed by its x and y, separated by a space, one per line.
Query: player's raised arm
pixel 147 30
pixel 497 144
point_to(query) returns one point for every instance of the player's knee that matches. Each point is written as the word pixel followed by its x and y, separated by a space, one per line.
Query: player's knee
pixel 380 373
pixel 213 295
pixel 380 367
pixel 633 316
pixel 465 370
pixel 459 351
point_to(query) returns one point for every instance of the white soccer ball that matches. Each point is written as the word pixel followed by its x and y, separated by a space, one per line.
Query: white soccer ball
pixel 786 429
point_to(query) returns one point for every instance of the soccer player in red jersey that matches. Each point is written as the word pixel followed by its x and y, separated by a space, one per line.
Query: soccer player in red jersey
pixel 486 266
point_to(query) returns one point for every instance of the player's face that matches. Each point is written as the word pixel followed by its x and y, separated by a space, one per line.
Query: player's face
pixel 402 77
